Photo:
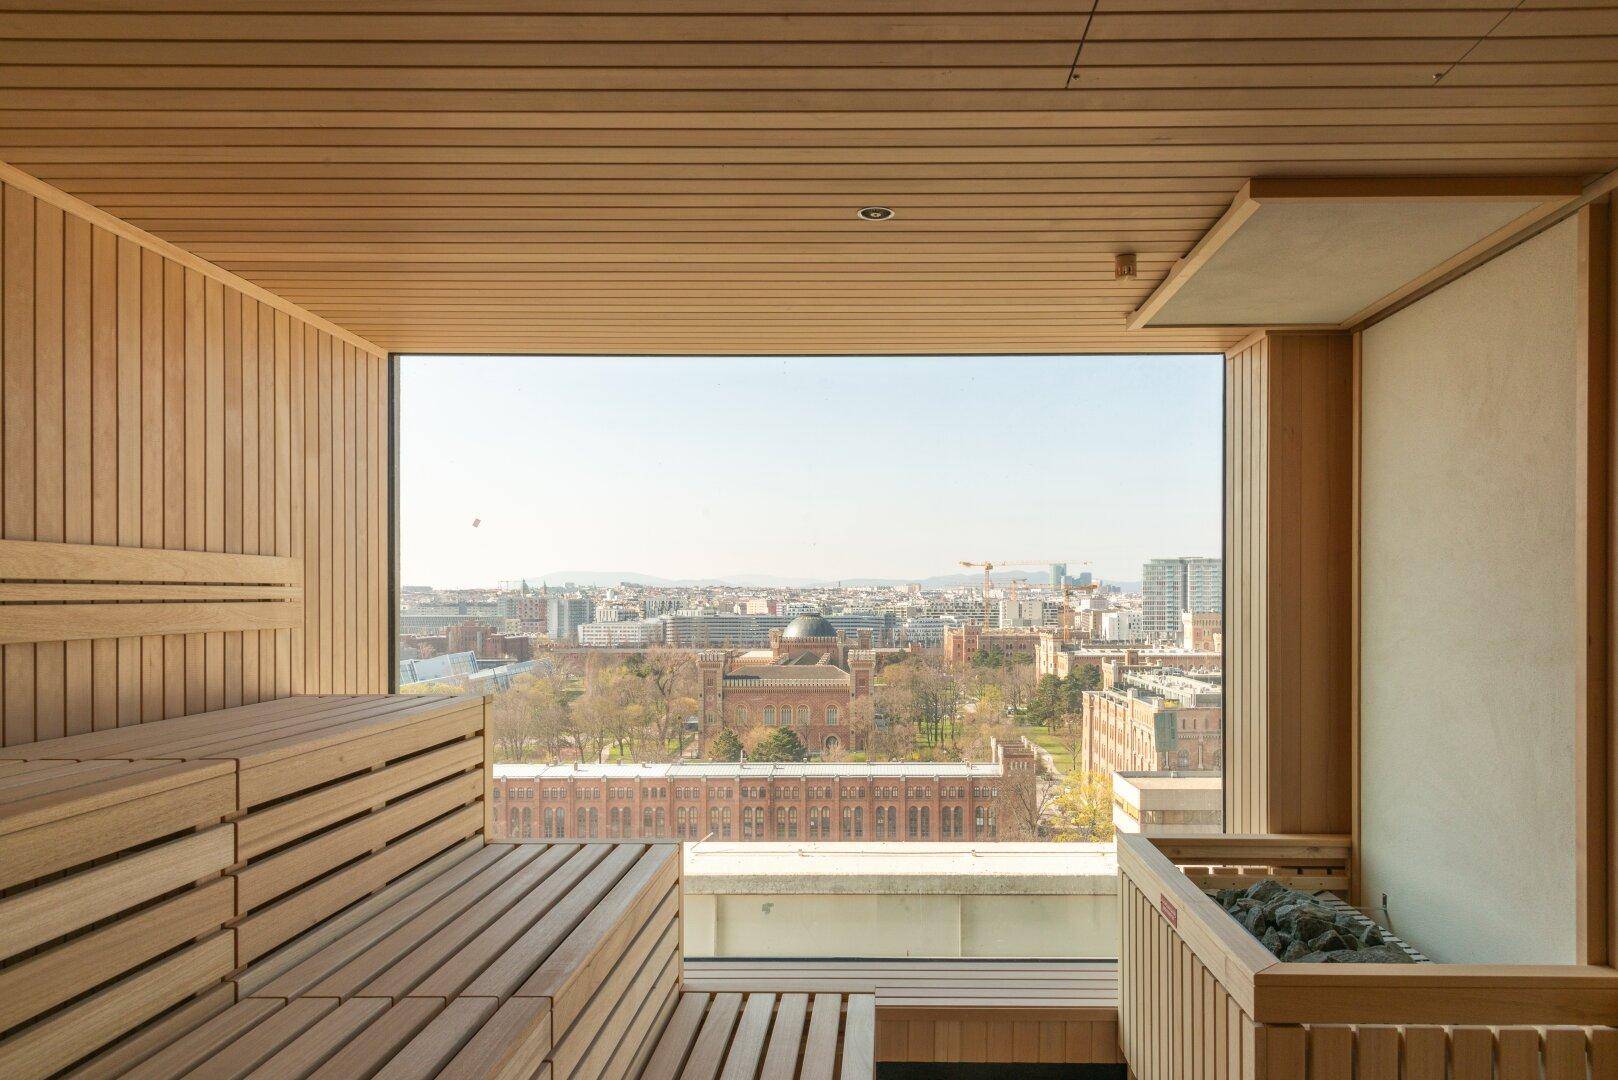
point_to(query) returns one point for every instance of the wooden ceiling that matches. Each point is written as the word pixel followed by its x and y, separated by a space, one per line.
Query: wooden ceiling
pixel 679 176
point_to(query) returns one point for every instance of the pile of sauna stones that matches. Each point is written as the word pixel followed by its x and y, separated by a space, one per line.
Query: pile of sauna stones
pixel 1298 928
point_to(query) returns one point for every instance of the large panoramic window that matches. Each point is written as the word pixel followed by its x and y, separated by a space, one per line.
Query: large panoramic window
pixel 899 599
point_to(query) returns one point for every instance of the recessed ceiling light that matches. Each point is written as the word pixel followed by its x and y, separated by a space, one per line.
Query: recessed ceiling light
pixel 875 213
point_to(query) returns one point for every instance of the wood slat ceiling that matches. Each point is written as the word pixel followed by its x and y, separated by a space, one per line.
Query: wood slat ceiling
pixel 683 175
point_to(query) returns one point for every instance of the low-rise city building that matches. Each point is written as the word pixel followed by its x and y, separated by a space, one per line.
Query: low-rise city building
pixel 962 643
pixel 638 633
pixel 1156 803
pixel 929 801
pixel 810 680
pixel 1154 721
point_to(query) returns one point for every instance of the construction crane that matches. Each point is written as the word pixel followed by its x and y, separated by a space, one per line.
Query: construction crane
pixel 1064 617
pixel 988 578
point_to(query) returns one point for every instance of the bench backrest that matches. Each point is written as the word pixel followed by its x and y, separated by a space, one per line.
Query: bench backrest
pixel 234 831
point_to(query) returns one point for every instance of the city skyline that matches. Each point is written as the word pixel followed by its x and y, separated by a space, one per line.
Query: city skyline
pixel 707 468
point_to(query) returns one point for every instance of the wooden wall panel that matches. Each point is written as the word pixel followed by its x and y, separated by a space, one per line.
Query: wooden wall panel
pixel 1288 545
pixel 152 401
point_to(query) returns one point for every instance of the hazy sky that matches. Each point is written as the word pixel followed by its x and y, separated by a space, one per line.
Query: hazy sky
pixel 821 467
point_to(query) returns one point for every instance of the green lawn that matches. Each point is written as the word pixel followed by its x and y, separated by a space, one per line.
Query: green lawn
pixel 1050 742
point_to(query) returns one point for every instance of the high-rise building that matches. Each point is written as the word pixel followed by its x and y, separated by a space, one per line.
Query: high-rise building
pixel 1119 626
pixel 1058 573
pixel 1204 585
pixel 1021 612
pixel 565 614
pixel 1172 587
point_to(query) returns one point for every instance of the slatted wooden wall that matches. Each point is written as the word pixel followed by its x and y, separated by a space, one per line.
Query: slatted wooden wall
pixel 149 400
pixel 1246 410
pixel 1288 534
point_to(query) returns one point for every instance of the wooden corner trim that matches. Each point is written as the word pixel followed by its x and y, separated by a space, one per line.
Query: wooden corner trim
pixel 12 176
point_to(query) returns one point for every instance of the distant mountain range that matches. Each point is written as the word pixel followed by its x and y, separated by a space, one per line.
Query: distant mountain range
pixel 604 578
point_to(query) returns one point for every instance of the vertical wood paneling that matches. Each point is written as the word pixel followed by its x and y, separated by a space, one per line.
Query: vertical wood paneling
pixel 1288 544
pixel 50 682
pixel 129 423
pixel 151 455
pixel 76 448
pixel 1166 1033
pixel 104 424
pixel 145 402
pixel 1246 795
pixel 17 443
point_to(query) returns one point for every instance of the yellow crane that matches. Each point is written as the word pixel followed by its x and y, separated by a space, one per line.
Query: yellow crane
pixel 988 578
pixel 1064 618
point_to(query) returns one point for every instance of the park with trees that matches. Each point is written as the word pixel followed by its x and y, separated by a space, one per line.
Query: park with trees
pixel 638 707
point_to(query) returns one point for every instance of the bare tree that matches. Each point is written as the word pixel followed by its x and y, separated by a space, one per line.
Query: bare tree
pixel 1025 802
pixel 669 680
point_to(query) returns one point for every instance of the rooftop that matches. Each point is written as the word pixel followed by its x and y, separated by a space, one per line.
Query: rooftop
pixel 749 770
pixel 907 868
pixel 809 626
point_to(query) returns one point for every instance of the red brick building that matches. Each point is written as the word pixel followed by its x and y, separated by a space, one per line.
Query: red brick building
pixel 762 801
pixel 809 679
pixel 962 643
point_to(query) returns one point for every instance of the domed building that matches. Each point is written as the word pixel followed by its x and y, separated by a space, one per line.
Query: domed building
pixel 809 679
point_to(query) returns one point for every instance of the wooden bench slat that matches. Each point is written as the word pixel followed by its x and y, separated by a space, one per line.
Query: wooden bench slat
pixel 647 1003
pixel 13 773
pixel 263 1040
pixel 310 973
pixel 294 728
pixel 381 1040
pixel 306 959
pixel 140 1044
pixel 362 719
pixel 137 740
pixel 306 1053
pixel 781 1060
pixel 94 785
pixel 54 561
pixel 269 828
pixel 668 1059
pixel 70 903
pixel 512 967
pixel 859 1038
pixel 437 1044
pixel 267 878
pixel 419 945
pixel 820 1049
pixel 511 1045
pixel 747 1044
pixel 67 842
pixel 92 1022
pixel 40 982
pixel 600 1026
pixel 287 775
pixel 25 623
pixel 291 915
pixel 203 1042
pixel 223 738
pixel 309 810
pixel 570 974
pixel 650 1023
pixel 463 972
pixel 708 1055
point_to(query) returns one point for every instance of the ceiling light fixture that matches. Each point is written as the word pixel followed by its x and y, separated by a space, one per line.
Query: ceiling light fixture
pixel 875 213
